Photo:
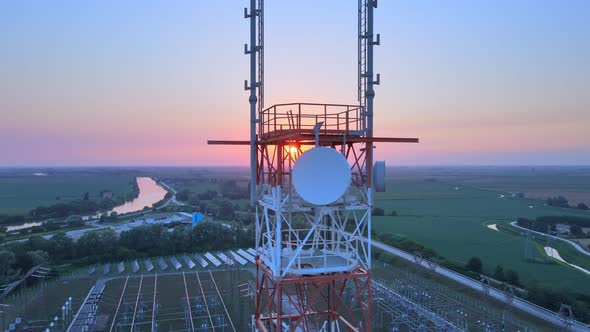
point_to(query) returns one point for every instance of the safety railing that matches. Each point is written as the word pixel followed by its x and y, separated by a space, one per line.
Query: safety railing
pixel 302 118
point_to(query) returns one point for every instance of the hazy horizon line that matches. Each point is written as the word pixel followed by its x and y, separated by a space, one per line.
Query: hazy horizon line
pixel 246 166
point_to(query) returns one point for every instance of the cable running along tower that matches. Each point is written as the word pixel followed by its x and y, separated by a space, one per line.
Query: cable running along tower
pixel 311 167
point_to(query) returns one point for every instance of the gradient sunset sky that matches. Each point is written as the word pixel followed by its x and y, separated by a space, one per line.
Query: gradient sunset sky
pixel 148 82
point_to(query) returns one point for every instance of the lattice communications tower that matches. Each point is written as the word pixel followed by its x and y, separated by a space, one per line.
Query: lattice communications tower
pixel 311 187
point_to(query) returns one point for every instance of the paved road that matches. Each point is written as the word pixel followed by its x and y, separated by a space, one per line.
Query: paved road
pixel 575 245
pixel 77 233
pixel 171 199
pixel 523 305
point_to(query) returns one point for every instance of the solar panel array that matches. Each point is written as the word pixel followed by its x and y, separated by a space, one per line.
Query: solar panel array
pixel 121 267
pixel 201 260
pixel 229 257
pixel 212 259
pixel 188 261
pixel 175 262
pixel 162 263
pixel 237 258
pixel 246 255
pixel 148 264
pixel 225 259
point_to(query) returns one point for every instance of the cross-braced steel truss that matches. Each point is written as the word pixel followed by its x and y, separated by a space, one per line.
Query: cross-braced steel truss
pixel 334 302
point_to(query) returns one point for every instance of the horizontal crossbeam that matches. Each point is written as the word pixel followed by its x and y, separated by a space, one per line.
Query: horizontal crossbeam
pixel 305 140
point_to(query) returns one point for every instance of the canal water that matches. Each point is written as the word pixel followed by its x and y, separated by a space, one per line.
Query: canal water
pixel 149 193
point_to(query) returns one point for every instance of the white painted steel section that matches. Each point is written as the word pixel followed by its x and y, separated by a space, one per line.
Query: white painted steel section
pixel 324 247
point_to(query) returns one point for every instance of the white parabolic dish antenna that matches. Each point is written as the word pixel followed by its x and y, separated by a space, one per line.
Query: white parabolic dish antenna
pixel 321 175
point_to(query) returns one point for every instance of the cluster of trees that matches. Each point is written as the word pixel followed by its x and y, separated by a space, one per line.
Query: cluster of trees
pixel 219 204
pixel 475 264
pixel 509 276
pixel 105 246
pixel 553 298
pixel 378 212
pixel 12 220
pixel 232 190
pixel 544 224
pixel 76 207
pixel 407 245
pixel 228 189
pixel 560 201
pixel 381 212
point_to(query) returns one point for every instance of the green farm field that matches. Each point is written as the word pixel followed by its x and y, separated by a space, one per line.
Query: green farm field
pixel 452 219
pixel 21 191
pixel 572 182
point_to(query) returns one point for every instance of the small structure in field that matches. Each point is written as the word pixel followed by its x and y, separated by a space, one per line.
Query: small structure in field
pixel 562 228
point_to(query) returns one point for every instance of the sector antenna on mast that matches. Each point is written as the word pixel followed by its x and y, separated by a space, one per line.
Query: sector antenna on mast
pixel 313 204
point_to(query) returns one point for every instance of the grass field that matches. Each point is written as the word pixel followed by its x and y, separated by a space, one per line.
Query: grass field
pixel 572 182
pixel 451 219
pixel 21 191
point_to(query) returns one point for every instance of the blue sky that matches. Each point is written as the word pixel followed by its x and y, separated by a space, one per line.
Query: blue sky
pixel 147 82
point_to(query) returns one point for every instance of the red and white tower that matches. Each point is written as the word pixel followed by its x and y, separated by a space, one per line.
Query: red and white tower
pixel 311 186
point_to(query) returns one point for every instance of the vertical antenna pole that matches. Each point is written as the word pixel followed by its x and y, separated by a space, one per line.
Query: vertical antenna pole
pixel 370 94
pixel 253 100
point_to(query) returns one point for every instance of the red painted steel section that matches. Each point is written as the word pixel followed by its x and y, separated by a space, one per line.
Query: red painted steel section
pixel 306 302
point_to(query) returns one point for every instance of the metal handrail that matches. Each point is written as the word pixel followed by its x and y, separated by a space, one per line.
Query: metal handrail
pixel 304 116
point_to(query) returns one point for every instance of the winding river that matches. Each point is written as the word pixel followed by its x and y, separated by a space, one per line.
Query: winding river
pixel 149 193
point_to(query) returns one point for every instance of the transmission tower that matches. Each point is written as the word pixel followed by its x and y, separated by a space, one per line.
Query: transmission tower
pixel 313 238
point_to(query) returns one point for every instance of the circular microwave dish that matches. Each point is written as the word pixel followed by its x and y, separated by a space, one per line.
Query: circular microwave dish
pixel 321 175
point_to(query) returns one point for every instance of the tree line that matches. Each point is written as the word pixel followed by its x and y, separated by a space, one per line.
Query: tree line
pixel 105 246
pixel 546 224
pixel 560 201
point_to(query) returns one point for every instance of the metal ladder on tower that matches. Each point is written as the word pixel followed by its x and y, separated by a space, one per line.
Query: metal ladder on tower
pixel 260 44
pixel 362 57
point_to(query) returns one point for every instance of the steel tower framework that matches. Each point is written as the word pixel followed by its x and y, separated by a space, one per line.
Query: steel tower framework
pixel 309 257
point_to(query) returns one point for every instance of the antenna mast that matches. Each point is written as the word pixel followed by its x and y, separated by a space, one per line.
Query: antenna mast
pixel 313 237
